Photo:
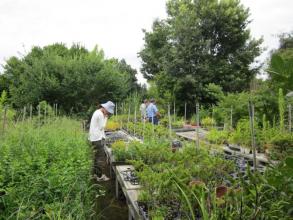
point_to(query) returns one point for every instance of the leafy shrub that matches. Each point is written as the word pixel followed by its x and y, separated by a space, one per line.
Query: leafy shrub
pixel 282 146
pixel 208 122
pixel 44 171
pixel 112 125
pixel 217 137
pixel 242 133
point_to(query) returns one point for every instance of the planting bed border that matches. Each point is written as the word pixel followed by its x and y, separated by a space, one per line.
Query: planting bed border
pixel 260 158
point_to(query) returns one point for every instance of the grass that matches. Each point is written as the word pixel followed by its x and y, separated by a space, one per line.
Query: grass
pixel 45 171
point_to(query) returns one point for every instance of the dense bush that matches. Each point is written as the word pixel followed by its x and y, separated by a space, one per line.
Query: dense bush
pixel 74 77
pixel 45 171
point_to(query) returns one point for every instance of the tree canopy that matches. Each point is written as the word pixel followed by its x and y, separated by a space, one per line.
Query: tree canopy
pixel 200 42
pixel 280 68
pixel 74 78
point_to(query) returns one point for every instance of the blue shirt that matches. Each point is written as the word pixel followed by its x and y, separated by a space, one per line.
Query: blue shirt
pixel 151 110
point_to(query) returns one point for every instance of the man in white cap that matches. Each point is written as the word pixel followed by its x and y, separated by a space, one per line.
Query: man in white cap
pixel 97 136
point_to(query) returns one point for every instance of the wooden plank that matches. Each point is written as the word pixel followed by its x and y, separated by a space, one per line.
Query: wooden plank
pixel 191 135
pixel 118 171
pixel 131 192
pixel 259 157
pixel 131 198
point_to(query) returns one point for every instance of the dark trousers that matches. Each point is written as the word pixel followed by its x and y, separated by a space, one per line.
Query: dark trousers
pixel 99 158
pixel 154 120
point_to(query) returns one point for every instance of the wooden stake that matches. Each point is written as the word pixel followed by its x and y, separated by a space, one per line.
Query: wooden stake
pixel 289 118
pixel 134 127
pixel 185 112
pixel 128 117
pixel 170 124
pixel 45 112
pixel 231 117
pixel 39 114
pixel 174 111
pixel 153 126
pixel 116 110
pixel 197 125
pixel 143 129
pixel 4 119
pixel 251 117
pixel 213 116
pixel 24 113
pixel 31 112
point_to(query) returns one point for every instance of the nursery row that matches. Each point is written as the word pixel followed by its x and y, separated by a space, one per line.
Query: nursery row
pixel 191 183
pixel 276 143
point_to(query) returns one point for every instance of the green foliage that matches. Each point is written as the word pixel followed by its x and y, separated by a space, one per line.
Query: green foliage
pixel 200 42
pixel 242 134
pixel 264 99
pixel 217 137
pixel 6 113
pixel 281 65
pixel 44 172
pixel 72 77
pixel 282 146
pixel 208 122
pixel 3 98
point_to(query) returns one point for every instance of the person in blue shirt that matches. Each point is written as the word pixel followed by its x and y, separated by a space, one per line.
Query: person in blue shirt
pixel 152 112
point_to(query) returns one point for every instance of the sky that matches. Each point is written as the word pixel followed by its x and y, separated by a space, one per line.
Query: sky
pixel 114 25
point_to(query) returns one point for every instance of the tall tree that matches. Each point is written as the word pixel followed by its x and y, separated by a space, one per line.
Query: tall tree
pixel 201 42
pixel 281 64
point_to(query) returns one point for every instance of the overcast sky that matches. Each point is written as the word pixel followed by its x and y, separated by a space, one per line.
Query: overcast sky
pixel 115 25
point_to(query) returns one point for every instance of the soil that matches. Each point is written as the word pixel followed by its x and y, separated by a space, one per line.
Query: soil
pixel 108 207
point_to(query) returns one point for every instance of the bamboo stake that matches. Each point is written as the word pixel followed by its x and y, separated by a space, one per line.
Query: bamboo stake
pixel 4 119
pixel 153 126
pixel 116 110
pixel 31 112
pixel 174 111
pixel 213 115
pixel 251 117
pixel 24 113
pixel 143 129
pixel 197 125
pixel 134 127
pixel 39 114
pixel 45 112
pixel 290 117
pixel 231 117
pixel 128 118
pixel 170 124
pixel 185 112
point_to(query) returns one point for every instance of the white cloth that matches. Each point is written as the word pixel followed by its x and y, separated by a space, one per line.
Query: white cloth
pixel 97 126
pixel 142 109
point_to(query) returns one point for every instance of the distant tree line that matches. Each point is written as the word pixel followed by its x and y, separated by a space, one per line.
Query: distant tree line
pixel 72 77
